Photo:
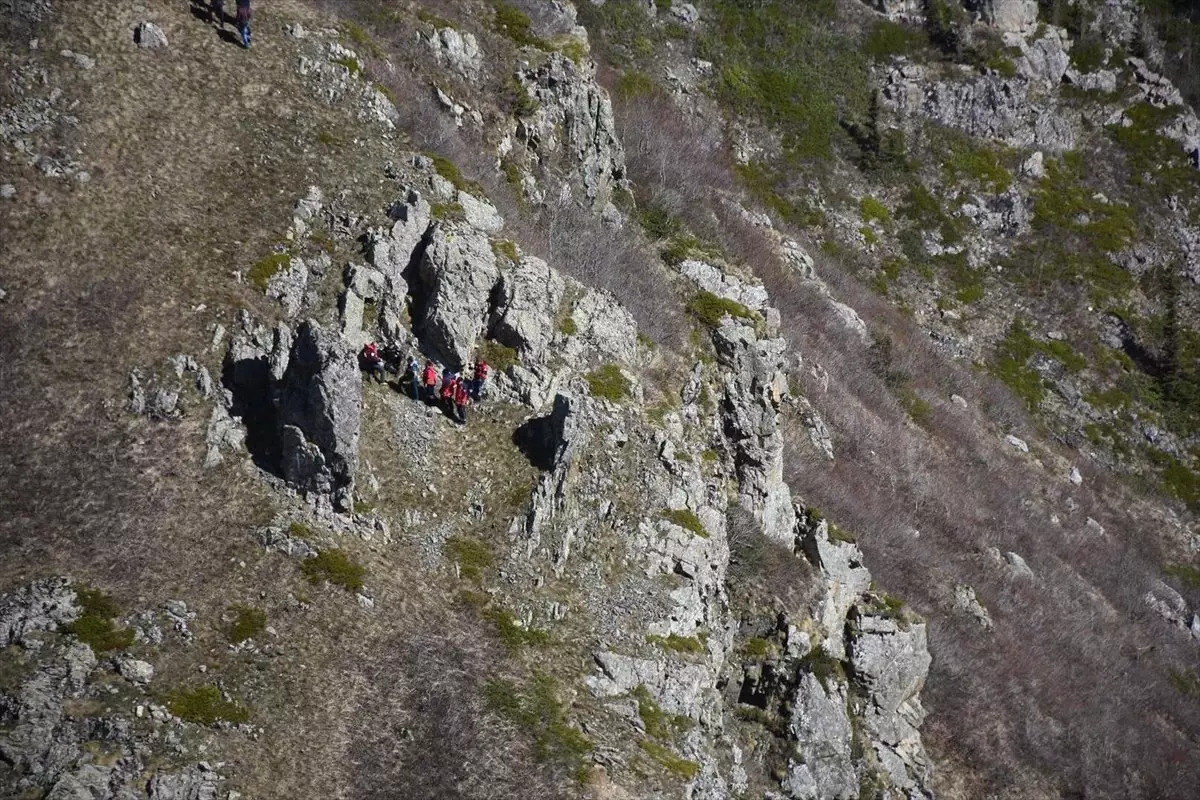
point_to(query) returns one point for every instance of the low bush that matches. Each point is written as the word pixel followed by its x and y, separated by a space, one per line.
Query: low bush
pixel 609 382
pixel 205 705
pixel 515 24
pixel 95 626
pixel 535 708
pixel 499 356
pixel 334 566
pixel 248 622
pixel 266 268
pixel 692 645
pixel 513 635
pixel 686 519
pixel 668 760
pixel 473 557
pixel 711 309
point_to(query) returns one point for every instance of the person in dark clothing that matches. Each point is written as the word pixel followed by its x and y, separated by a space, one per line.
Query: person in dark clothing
pixel 372 362
pixel 393 358
pixel 217 11
pixel 243 21
pixel 413 376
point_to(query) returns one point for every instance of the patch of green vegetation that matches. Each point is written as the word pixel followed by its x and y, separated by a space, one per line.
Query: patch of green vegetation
pixel 887 39
pixel 758 648
pixel 766 186
pixel 301 531
pixel 515 24
pixel 658 221
pixel 823 666
pixel 892 606
pixel 266 268
pixel 609 382
pixel 427 16
pixel 874 211
pixel 1186 682
pixel 513 635
pixel 1087 54
pixel 334 566
pixel 328 138
pixel 499 356
pixel 634 84
pixel 924 209
pixel 710 456
pixel 683 246
pixel 656 722
pixel 95 626
pixel 840 534
pixel 573 48
pixel 352 65
pixel 691 645
pixel 473 557
pixel 1156 163
pixel 788 65
pixel 965 159
pixel 917 408
pixel 450 171
pixel 668 760
pixel 710 309
pixel 869 236
pixel 1186 573
pixel 506 249
pixel 1003 64
pixel 1062 202
pixel 1013 354
pixel 686 519
pixel 516 98
pixel 567 326
pixel 248 623
pixel 1178 480
pixel 363 40
pixel 205 705
pixel 387 92
pixel 535 707
pixel 448 212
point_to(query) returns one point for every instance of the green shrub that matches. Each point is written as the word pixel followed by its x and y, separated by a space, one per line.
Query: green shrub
pixel 204 705
pixel 1012 362
pixel 656 722
pixel 658 221
pixel 450 171
pixel 1087 54
pixel 918 409
pixel 301 531
pixel 499 356
pixel 681 644
pixel 363 40
pixel 507 249
pixel 352 64
pixel 328 138
pixel 516 98
pixel 334 566
pixel 1156 163
pixel 248 623
pixel 266 268
pixel 473 557
pixel 635 84
pixel 567 326
pixel 840 534
pixel 573 48
pixel 1189 575
pixel 874 211
pixel 1186 682
pixel 710 309
pixel 515 24
pixel 512 633
pixel 686 519
pixel 676 765
pixel 758 648
pixel 887 39
pixel 609 382
pixel 1002 64
pixel 968 160
pixel 822 666
pixel 535 708
pixel 95 626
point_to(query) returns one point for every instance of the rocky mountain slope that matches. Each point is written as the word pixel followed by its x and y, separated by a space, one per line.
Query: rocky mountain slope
pixel 732 321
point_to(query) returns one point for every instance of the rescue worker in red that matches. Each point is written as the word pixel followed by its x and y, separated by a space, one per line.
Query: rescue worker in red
pixel 462 399
pixel 430 381
pixel 372 362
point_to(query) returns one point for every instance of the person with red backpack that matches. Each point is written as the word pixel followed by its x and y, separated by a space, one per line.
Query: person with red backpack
pixel 477 384
pixel 449 387
pixel 462 399
pixel 430 381
pixel 372 362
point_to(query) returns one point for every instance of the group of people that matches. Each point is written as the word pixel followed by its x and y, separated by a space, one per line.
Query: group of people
pixel 453 391
pixel 216 9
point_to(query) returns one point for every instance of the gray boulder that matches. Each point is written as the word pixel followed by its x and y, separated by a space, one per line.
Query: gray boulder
pixel 458 50
pixel 823 738
pixel 149 36
pixel 845 576
pixel 1008 16
pixel 44 605
pixel 86 783
pixel 320 406
pixel 192 784
pixel 457 276
pixel 604 328
pixel 528 300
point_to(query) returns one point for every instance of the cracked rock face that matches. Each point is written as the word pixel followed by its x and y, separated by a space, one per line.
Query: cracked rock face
pixel 320 406
pixel 458 274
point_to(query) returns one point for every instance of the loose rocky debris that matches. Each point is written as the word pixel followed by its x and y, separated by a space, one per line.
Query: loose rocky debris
pixel 47 748
pixel 149 36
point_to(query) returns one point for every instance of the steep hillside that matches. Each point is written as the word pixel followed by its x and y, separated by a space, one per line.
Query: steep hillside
pixel 776 297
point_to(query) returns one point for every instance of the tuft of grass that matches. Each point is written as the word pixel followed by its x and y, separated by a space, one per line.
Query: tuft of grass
pixel 567 326
pixel 635 84
pixel 95 626
pixel 758 648
pixel 248 623
pixel 535 707
pixel 507 249
pixel 205 705
pixel 676 765
pixel 1012 362
pixel 1187 574
pixel 1186 682
pixel 334 566
pixel 692 645
pixel 823 666
pixel 513 635
pixel 514 24
pixel 363 40
pixel 710 309
pixel 499 356
pixel 450 171
pixel 686 519
pixel 573 48
pixel 887 39
pixel 328 138
pixel 874 211
pixel 609 382
pixel 268 267
pixel 448 212
pixel 301 531
pixel 919 410
pixel 352 65
pixel 473 557
pixel 427 16
pixel 840 534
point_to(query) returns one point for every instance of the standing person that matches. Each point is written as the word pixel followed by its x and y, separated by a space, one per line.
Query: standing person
pixel 478 390
pixel 414 377
pixel 431 377
pixel 462 399
pixel 217 9
pixel 243 21
pixel 448 389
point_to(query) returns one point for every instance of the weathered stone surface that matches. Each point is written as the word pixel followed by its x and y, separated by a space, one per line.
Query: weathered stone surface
pixel 480 213
pixel 823 736
pixel 88 782
pixel 604 327
pixel 575 119
pixel 1016 16
pixel 458 50
pixel 966 601
pixel 320 405
pixel 841 565
pixel 149 36
pixel 192 784
pixel 677 687
pixel 754 389
pixel 135 671
pixel 527 307
pixel 44 605
pixel 712 279
pixel 457 277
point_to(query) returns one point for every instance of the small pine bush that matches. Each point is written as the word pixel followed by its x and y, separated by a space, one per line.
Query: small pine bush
pixel 334 566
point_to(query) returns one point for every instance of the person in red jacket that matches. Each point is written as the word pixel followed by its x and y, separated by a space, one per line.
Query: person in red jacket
pixel 481 374
pixel 430 381
pixel 372 362
pixel 462 399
